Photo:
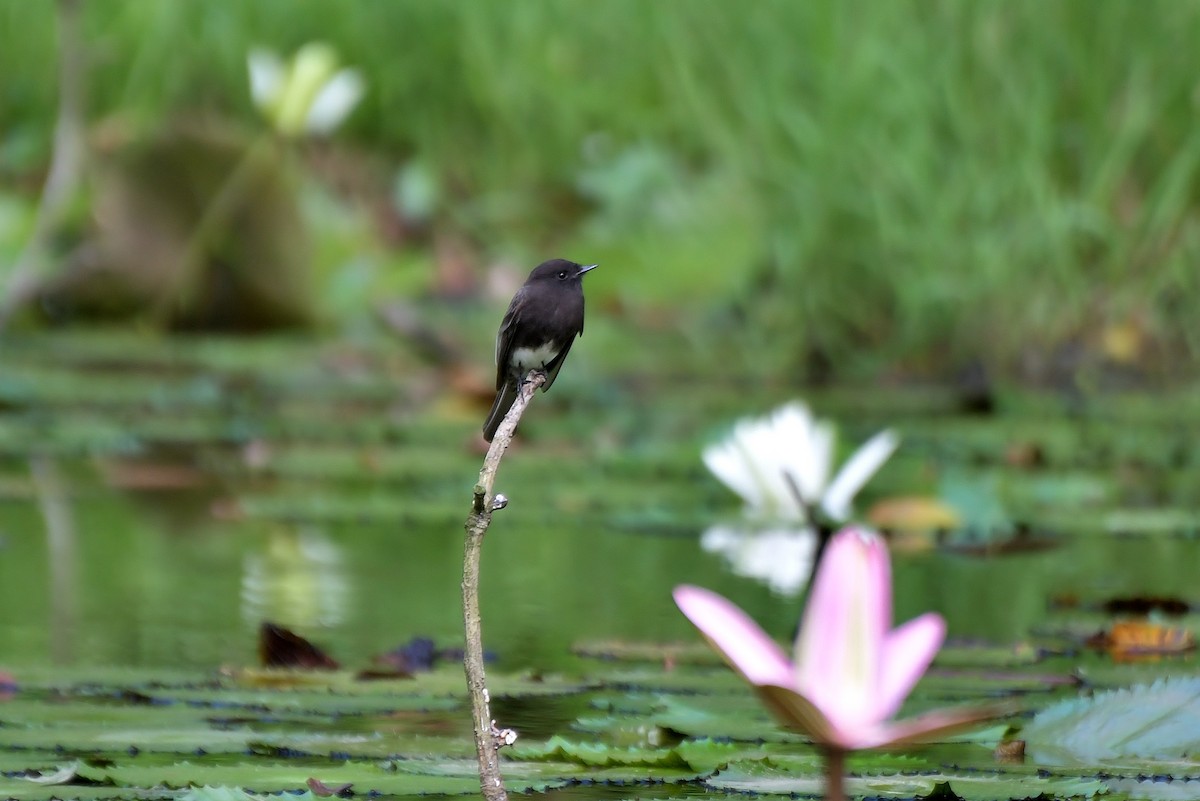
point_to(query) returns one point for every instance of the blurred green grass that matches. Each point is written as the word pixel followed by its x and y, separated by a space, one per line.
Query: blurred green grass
pixel 852 184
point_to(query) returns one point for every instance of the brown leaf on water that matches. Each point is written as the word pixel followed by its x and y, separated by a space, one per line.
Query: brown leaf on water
pixel 913 513
pixel 1010 751
pixel 1131 640
pixel 281 648
pixel 911 522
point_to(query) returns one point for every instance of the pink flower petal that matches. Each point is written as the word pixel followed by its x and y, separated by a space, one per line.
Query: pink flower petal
pixel 907 652
pixel 730 631
pixel 841 639
pixel 926 727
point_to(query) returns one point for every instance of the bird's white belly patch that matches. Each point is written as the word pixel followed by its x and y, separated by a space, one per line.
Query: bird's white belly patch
pixel 531 358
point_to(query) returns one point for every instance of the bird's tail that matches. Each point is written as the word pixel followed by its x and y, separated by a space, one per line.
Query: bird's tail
pixel 504 401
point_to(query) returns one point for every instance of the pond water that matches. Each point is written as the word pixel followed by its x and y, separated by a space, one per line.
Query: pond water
pixel 160 499
pixel 210 485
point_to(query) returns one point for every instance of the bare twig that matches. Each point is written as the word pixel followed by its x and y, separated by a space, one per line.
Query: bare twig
pixel 66 162
pixel 488 737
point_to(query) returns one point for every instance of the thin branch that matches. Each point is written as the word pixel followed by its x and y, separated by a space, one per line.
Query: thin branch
pixel 488 738
pixel 66 162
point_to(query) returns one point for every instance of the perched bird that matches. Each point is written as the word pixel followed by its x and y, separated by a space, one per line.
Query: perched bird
pixel 542 321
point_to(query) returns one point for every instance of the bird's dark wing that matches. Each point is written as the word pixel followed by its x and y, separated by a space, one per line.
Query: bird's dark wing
pixel 556 364
pixel 553 367
pixel 505 337
pixel 500 406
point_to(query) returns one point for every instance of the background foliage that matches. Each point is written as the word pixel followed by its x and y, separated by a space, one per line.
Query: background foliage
pixel 848 185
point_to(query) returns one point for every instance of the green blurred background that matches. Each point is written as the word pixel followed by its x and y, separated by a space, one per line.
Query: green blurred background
pixel 848 189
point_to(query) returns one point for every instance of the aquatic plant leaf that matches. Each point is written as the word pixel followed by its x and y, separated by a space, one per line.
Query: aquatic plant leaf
pixel 987 655
pixel 1159 787
pixel 1152 521
pixel 749 725
pixel 772 776
pixel 22 790
pixel 280 647
pixel 1101 672
pixel 638 651
pixel 560 749
pixel 979 500
pixel 273 778
pixel 224 793
pixel 1149 721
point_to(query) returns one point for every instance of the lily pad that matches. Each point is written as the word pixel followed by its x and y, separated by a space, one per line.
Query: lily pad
pixel 1148 721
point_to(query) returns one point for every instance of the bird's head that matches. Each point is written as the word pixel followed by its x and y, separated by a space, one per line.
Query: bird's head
pixel 559 270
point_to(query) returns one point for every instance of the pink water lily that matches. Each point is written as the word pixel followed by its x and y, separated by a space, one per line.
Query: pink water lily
pixel 851 670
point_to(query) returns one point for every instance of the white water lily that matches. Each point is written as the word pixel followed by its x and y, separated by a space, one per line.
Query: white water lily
pixel 780 465
pixel 307 95
pixel 780 556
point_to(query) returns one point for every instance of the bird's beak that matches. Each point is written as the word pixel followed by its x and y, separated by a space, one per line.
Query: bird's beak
pixel 585 268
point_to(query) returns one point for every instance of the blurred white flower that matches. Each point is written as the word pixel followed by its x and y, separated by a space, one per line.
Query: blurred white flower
pixel 780 557
pixel 780 465
pixel 309 94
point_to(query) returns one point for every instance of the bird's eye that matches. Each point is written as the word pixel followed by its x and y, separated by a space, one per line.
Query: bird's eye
pixel 562 274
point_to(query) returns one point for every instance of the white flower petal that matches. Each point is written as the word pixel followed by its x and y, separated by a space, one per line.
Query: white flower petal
pixel 334 101
pixel 751 461
pixel 769 460
pixel 857 470
pixel 727 462
pixel 821 444
pixel 808 453
pixel 769 455
pixel 780 557
pixel 266 77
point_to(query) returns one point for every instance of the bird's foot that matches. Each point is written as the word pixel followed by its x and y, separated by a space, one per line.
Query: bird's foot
pixel 529 375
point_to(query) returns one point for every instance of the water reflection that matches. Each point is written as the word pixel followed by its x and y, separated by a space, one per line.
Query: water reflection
pixel 61 547
pixel 296 579
pixel 779 556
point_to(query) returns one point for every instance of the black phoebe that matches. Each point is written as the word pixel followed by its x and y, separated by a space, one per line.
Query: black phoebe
pixel 542 321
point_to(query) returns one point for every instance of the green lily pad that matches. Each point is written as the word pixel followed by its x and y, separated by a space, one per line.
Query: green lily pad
pixel 1149 721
